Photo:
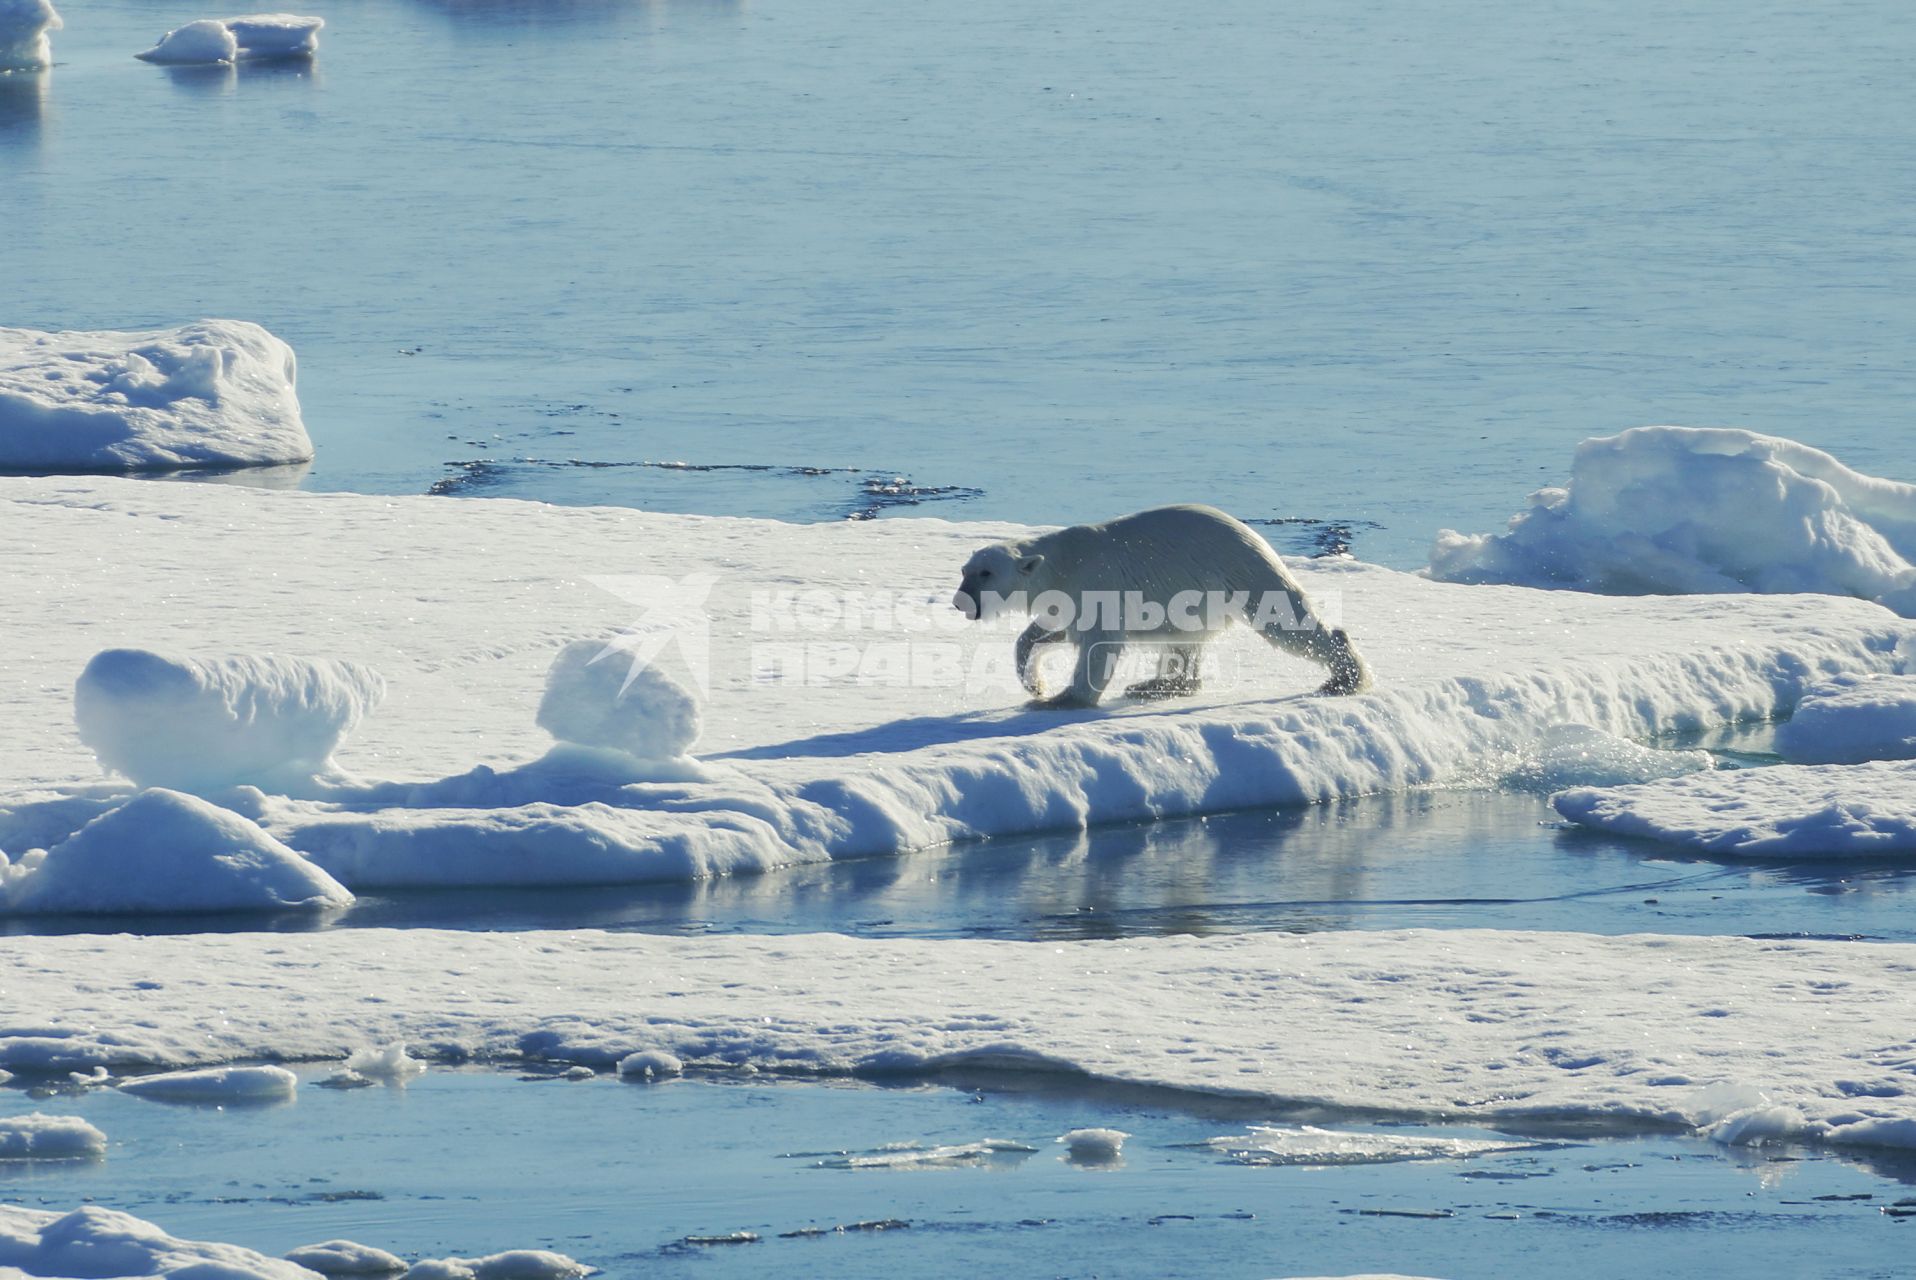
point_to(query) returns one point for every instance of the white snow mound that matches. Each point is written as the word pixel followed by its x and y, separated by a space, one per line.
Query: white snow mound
pixel 650 1064
pixel 200 724
pixel 596 697
pixel 42 1137
pixel 166 852
pixel 216 393
pixel 1687 510
pixel 24 25
pixel 1789 811
pixel 216 40
pixel 346 1258
pixel 92 1241
pixel 216 1084
pixel 389 1063
pixel 1852 719
pixel 515 1264
pixel 1094 1146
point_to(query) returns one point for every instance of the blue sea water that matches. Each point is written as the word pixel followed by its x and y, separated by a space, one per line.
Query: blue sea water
pixel 1379 265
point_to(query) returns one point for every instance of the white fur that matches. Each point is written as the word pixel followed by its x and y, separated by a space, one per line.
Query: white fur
pixel 1152 556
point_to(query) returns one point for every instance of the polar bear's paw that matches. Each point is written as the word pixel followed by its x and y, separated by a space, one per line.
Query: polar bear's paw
pixel 1160 687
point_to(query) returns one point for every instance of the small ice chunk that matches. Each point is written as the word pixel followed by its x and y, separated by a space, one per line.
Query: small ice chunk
pixel 909 1155
pixel 166 852
pixel 24 25
pixel 1307 1145
pixel 1851 720
pixel 346 1078
pixel 516 1264
pixel 650 1064
pixel 1577 755
pixel 596 697
pixel 216 1084
pixel 276 35
pixel 42 1137
pixel 195 44
pixel 200 724
pixel 1094 1146
pixel 346 1258
pixel 387 1062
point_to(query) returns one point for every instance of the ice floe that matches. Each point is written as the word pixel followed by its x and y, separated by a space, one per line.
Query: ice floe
pixel 94 1241
pixel 24 25
pixel 1476 1026
pixel 1852 719
pixel 163 851
pixel 43 1137
pixel 208 723
pixel 216 393
pixel 389 1063
pixel 216 1084
pixel 912 1155
pixel 216 40
pixel 1788 811
pixel 852 716
pixel 515 1264
pixel 1309 1145
pixel 650 1064
pixel 346 1258
pixel 1094 1146
pixel 1688 510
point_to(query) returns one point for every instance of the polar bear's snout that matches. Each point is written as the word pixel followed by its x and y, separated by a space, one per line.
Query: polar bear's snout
pixel 965 600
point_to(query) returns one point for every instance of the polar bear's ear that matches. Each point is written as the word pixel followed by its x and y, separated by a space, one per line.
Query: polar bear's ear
pixel 1029 565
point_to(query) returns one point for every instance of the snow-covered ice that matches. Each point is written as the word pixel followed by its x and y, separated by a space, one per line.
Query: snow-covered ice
pixel 463 607
pixel 163 851
pixel 195 44
pixel 216 40
pixel 215 393
pixel 43 1137
pixel 24 24
pixel 389 1063
pixel 650 1064
pixel 1788 811
pixel 1852 719
pixel 1473 1025
pixel 205 723
pixel 1309 1145
pixel 515 1264
pixel 596 696
pixel 94 1241
pixel 912 1155
pixel 1094 1146
pixel 216 1084
pixel 346 1258
pixel 1689 509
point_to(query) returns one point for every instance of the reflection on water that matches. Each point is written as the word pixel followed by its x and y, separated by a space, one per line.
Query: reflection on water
pixel 1426 860
pixel 23 107
pixel 225 78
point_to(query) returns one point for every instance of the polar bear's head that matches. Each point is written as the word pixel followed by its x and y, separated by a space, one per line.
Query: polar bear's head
pixel 998 579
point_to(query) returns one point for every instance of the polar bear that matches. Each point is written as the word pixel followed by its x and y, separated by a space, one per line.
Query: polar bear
pixel 1171 578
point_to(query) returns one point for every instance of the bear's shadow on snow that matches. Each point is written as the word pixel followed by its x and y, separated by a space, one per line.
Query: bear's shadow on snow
pixel 966 726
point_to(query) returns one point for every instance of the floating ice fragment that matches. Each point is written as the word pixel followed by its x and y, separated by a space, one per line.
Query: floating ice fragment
pixel 650 1064
pixel 1094 1146
pixel 195 44
pixel 213 40
pixel 517 1264
pixel 387 1062
pixel 215 393
pixel 93 1241
pixel 43 1137
pixel 24 25
pixel 346 1258
pixel 216 1084
pixel 1307 1145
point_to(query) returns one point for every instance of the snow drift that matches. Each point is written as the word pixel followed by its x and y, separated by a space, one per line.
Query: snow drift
pixel 597 696
pixel 1746 1039
pixel 1702 510
pixel 166 852
pixel 215 40
pixel 216 393
pixel 205 723
pixel 1850 720
pixel 1789 811
pixel 24 25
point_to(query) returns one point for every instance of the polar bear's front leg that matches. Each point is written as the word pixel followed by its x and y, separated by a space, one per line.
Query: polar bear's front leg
pixel 1034 637
pixel 1098 654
